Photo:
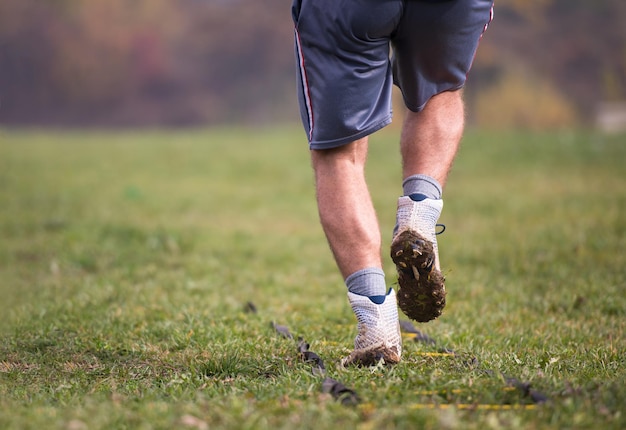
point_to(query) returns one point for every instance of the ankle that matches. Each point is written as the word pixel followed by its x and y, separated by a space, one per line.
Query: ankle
pixel 369 282
pixel 422 185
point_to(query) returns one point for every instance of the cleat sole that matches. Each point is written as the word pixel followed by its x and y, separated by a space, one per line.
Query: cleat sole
pixel 422 293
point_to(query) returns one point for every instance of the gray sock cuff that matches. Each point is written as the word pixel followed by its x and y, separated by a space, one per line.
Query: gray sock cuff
pixel 367 282
pixel 422 184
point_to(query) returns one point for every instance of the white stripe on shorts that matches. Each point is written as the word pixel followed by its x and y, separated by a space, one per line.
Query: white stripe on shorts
pixel 305 84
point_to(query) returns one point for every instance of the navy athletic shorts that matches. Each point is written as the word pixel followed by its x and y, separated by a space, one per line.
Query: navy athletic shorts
pixel 345 73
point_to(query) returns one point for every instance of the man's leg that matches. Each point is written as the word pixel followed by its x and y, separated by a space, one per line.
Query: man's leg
pixel 351 227
pixel 346 210
pixel 429 143
pixel 430 138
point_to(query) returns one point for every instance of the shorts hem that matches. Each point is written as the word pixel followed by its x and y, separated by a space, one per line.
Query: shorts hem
pixel 414 108
pixel 329 144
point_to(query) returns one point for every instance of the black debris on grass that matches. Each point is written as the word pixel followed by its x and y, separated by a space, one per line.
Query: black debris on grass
pixel 282 330
pixel 527 391
pixel 340 392
pixel 408 327
pixel 349 397
pixel 315 360
pixel 250 308
pixel 523 387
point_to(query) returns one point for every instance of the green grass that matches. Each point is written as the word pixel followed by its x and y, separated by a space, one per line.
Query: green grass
pixel 127 260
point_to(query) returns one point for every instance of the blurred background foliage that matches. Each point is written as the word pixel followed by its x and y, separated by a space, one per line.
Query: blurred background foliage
pixel 122 63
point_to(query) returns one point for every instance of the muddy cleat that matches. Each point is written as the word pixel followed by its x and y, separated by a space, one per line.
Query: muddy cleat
pixel 379 330
pixel 422 293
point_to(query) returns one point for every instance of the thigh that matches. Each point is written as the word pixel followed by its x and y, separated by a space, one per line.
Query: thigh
pixel 345 80
pixel 435 45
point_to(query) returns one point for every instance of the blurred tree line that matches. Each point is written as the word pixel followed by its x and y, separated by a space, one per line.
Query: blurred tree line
pixel 543 63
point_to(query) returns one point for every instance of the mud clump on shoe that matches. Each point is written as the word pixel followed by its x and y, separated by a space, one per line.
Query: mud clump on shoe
pixel 371 357
pixel 422 301
pixel 422 293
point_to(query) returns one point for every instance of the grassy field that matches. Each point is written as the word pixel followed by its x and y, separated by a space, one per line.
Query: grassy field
pixel 128 262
